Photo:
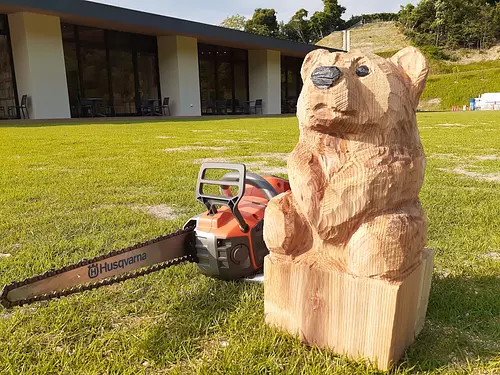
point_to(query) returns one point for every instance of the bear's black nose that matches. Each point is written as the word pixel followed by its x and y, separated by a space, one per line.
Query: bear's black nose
pixel 324 77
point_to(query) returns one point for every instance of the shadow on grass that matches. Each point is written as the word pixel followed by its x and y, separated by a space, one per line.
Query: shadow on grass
pixel 98 121
pixel 182 334
pixel 463 323
pixel 127 121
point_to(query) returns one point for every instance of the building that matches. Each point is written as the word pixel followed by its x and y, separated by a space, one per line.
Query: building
pixel 74 58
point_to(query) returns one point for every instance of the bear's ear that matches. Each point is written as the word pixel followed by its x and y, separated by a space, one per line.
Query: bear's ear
pixel 414 67
pixel 311 61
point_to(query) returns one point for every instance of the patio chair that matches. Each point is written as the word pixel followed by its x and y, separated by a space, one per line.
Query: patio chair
pixel 238 107
pixel 256 106
pixel 292 105
pixel 209 106
pixel 2 111
pixel 104 109
pixel 221 106
pixel 146 109
pixel 229 105
pixel 165 107
pixel 85 107
pixel 22 108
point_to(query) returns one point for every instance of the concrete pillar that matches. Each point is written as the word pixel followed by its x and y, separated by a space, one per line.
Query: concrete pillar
pixel 264 79
pixel 346 40
pixel 38 54
pixel 179 74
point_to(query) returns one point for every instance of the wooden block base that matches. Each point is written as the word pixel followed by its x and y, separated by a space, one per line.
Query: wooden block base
pixel 360 317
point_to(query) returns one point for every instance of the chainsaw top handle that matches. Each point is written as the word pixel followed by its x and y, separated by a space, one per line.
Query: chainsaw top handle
pixel 251 179
pixel 237 178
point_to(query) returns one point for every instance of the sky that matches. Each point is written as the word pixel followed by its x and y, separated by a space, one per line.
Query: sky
pixel 215 11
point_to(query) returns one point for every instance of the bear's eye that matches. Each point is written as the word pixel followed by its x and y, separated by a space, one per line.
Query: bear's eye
pixel 362 71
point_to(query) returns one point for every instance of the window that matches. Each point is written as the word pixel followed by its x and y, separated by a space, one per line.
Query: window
pixel 8 97
pixel 118 69
pixel 223 79
pixel 147 69
pixel 291 83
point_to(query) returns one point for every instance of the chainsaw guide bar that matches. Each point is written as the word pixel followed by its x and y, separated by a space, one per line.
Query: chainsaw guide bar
pixel 88 274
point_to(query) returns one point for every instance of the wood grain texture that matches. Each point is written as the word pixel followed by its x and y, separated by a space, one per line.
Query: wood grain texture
pixel 425 289
pixel 362 318
pixel 353 215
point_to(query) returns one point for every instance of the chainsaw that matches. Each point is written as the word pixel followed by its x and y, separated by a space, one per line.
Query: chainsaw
pixel 226 241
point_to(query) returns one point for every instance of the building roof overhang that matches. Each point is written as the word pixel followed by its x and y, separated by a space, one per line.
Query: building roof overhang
pixel 89 13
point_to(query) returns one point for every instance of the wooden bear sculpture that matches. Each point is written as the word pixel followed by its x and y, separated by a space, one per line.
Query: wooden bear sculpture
pixel 353 211
pixel 358 167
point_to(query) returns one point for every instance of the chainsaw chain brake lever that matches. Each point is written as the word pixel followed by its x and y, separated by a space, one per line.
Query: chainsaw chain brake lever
pixel 212 201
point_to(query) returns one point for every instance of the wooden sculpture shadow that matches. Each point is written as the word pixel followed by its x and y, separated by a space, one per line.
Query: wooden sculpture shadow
pixel 463 323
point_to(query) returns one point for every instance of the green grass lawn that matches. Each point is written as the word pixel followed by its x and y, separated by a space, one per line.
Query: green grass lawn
pixel 73 191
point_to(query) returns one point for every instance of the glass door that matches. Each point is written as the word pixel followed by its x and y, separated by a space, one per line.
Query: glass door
pixel 123 82
pixel 7 85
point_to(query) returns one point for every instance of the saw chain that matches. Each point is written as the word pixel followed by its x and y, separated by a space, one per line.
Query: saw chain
pixel 94 285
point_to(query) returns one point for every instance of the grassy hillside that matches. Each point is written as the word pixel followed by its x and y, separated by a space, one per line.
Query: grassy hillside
pixel 334 40
pixel 446 90
pixel 375 37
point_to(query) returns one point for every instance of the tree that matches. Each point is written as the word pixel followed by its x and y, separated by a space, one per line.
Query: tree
pixel 334 11
pixel 439 18
pixel 324 23
pixel 263 22
pixel 486 29
pixel 407 17
pixel 298 28
pixel 236 22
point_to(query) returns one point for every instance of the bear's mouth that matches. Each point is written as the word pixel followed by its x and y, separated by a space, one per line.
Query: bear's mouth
pixel 324 110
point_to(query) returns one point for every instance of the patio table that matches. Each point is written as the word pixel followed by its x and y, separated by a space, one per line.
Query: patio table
pixel 95 106
pixel 151 105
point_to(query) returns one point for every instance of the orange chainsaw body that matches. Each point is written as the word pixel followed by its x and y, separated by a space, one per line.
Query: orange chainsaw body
pixel 226 248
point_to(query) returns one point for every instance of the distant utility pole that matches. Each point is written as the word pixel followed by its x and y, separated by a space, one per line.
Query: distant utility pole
pixel 346 40
pixel 456 71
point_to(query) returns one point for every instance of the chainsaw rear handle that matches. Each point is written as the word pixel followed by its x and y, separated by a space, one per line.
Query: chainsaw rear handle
pixel 238 178
pixel 250 179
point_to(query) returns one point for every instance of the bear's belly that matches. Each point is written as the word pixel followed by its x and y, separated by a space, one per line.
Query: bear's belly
pixel 380 181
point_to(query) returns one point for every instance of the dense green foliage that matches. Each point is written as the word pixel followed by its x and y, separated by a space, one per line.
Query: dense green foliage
pixel 452 23
pixel 263 22
pixel 236 22
pixel 300 28
pixel 367 18
pixel 73 191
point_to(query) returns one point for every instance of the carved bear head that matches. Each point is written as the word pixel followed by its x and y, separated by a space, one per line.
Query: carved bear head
pixel 360 93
